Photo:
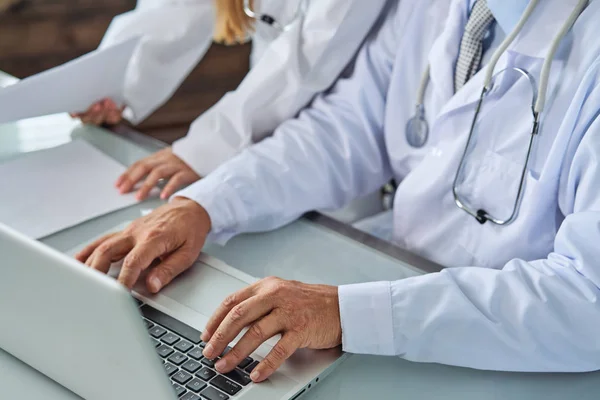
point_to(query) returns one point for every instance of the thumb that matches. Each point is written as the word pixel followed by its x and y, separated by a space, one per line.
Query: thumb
pixel 171 267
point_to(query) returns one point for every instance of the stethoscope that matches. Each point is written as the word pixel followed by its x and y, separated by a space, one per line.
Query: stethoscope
pixel 417 128
pixel 272 21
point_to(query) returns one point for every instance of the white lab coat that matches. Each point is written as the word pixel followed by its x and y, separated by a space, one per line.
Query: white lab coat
pixel 523 297
pixel 289 68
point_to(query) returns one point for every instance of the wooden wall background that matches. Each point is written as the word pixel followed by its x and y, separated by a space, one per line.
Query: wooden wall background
pixel 39 34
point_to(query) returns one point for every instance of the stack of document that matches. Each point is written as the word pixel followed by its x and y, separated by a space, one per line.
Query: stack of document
pixel 47 191
pixel 71 87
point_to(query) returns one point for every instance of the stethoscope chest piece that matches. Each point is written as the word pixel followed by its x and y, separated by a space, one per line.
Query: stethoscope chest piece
pixel 417 129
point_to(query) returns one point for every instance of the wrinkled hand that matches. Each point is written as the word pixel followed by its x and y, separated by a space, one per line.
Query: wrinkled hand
pixel 307 316
pixel 174 233
pixel 104 111
pixel 160 165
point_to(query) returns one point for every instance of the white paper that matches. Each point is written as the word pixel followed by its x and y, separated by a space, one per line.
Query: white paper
pixel 71 87
pixel 50 190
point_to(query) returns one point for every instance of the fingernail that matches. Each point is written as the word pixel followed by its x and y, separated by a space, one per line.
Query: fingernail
pixel 255 375
pixel 155 284
pixel 221 365
pixel 163 196
pixel 208 351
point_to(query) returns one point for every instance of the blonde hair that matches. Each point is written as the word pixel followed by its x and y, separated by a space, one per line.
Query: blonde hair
pixel 233 26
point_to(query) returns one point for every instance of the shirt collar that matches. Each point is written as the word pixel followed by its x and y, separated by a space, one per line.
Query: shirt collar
pixel 506 12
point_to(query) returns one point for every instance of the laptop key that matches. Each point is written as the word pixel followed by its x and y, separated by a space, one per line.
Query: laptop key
pixel 170 339
pixel 170 368
pixel 191 366
pixel 245 362
pixel 202 344
pixel 206 374
pixel 183 330
pixel 251 367
pixel 155 342
pixel 196 385
pixel 190 396
pixel 183 346
pixel 178 359
pixel 164 351
pixel 179 390
pixel 196 354
pixel 181 377
pixel 224 384
pixel 239 377
pixel 208 363
pixel 210 393
pixel 157 331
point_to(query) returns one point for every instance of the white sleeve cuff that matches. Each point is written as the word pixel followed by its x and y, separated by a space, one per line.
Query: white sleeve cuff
pixel 207 145
pixel 223 205
pixel 366 316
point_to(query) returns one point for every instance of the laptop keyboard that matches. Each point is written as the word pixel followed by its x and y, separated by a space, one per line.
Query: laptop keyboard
pixel 193 376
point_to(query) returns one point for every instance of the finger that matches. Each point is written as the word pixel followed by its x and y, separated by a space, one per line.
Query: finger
pixel 152 179
pixel 148 163
pixel 113 117
pixel 139 259
pixel 283 350
pixel 93 113
pixel 112 114
pixel 84 254
pixel 171 267
pixel 109 105
pixel 110 251
pixel 256 335
pixel 224 308
pixel 89 261
pixel 134 174
pixel 176 182
pixel 99 117
pixel 86 118
pixel 240 316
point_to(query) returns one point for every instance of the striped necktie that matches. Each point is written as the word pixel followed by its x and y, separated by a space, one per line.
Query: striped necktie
pixel 471 45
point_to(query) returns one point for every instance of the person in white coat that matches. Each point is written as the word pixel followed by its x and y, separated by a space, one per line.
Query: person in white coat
pixel 503 189
pixel 291 63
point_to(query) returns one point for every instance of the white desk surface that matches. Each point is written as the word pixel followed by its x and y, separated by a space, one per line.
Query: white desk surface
pixel 304 251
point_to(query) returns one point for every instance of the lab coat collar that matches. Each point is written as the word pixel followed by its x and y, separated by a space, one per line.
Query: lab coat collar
pixel 534 41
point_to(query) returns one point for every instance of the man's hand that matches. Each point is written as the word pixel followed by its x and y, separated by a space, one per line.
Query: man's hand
pixel 307 316
pixel 102 112
pixel 161 165
pixel 174 233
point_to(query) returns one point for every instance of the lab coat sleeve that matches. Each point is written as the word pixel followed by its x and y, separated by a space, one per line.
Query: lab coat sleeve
pixel 333 152
pixel 540 316
pixel 303 61
pixel 175 35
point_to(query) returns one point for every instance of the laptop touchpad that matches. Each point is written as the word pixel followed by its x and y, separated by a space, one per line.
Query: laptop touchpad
pixel 202 288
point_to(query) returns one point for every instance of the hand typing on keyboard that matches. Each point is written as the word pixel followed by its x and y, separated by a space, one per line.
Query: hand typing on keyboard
pixel 174 233
pixel 307 316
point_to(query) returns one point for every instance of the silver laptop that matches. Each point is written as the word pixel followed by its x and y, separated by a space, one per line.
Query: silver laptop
pixel 86 332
